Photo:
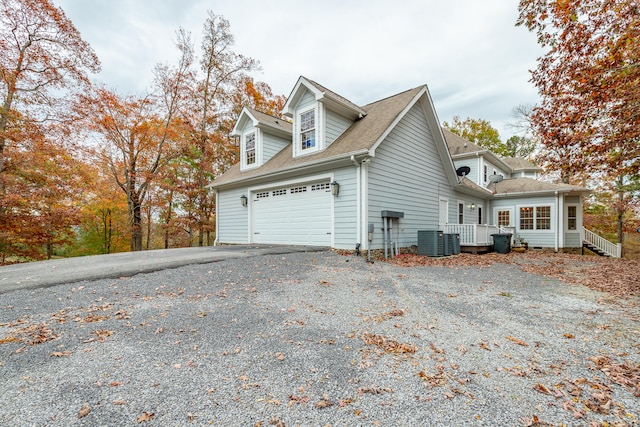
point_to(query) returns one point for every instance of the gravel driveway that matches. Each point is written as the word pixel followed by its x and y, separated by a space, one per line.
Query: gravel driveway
pixel 316 339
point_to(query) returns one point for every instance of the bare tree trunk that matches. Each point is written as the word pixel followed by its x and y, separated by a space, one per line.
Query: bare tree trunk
pixel 135 242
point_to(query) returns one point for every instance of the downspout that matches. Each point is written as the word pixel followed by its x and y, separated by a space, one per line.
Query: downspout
pixel 358 202
pixel 216 241
pixel 557 233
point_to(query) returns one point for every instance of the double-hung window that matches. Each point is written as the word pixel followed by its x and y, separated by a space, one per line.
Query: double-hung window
pixel 250 149
pixel 308 130
pixel 535 218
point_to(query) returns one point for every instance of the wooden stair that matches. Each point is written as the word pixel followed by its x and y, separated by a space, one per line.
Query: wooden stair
pixel 599 245
pixel 593 249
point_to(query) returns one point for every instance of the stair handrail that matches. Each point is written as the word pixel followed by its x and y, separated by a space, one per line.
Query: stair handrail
pixel 612 249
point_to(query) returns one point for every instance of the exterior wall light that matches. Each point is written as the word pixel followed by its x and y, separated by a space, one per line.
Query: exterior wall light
pixel 472 206
pixel 244 200
pixel 335 188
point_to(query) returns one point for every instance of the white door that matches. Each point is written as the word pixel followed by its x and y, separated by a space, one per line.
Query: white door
pixel 296 215
pixel 444 212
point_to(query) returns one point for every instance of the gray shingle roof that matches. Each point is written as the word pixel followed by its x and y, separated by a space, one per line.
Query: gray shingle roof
pixel 271 121
pixel 331 94
pixel 357 139
pixel 458 145
pixel 520 164
pixel 529 185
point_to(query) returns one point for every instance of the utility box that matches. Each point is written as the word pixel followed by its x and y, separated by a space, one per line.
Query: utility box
pixel 448 244
pixel 456 243
pixel 431 243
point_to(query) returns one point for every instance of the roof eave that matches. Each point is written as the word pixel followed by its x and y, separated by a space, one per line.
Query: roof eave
pixel 540 192
pixel 320 163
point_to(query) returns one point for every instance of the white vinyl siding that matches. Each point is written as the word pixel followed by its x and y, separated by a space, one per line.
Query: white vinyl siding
pixel 408 175
pixel 232 217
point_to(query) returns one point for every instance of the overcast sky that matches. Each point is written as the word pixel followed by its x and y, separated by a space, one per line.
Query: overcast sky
pixel 470 54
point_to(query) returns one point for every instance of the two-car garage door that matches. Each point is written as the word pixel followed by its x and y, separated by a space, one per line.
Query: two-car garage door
pixel 299 214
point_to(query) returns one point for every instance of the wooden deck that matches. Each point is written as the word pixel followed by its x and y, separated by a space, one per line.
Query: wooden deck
pixel 479 249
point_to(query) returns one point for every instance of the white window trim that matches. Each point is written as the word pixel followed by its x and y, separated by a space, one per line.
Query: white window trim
pixel 480 210
pixel 552 218
pixel 297 147
pixel 578 217
pixel 243 149
pixel 511 216
pixel 460 202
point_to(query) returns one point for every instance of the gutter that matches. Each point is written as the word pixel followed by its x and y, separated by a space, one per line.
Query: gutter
pixel 297 168
pixel 539 192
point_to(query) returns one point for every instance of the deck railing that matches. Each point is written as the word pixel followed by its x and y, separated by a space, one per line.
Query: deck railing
pixel 475 234
pixel 612 249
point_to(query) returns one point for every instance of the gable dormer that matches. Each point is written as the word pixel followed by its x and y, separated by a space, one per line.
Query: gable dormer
pixel 319 116
pixel 261 136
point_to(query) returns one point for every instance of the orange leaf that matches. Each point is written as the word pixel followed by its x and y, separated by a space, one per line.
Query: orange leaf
pixel 84 411
pixel 145 416
pixel 517 341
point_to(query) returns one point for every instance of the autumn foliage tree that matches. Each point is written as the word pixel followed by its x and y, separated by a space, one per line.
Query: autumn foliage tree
pixel 208 113
pixel 589 117
pixel 136 135
pixel 478 131
pixel 43 60
pixel 44 182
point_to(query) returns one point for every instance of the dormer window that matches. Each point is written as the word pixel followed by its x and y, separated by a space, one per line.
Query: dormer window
pixel 308 130
pixel 250 149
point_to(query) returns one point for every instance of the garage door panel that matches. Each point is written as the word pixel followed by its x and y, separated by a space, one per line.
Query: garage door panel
pixel 300 214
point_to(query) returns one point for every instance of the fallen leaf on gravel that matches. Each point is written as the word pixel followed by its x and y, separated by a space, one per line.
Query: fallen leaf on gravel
pixel 517 341
pixel 374 390
pixel 145 416
pixel 293 399
pixel 119 402
pixel 536 422
pixel 115 384
pixel 462 349
pixel 324 403
pixel 84 411
pixel 65 353
pixel 274 421
pixel 387 344
pixel 617 276
pixel 121 314
pixel 541 388
pixel 279 356
pixel 103 334
pixel 569 336
pixel 485 346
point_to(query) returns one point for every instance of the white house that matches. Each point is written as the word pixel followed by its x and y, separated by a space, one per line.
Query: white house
pixel 329 176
